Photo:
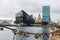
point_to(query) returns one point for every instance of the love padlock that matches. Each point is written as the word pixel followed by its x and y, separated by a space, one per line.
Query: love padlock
pixel 20 33
pixel 14 31
pixel 1 28
pixel 27 34
pixel 37 36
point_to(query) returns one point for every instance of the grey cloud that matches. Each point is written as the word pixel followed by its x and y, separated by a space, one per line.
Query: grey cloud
pixel 56 10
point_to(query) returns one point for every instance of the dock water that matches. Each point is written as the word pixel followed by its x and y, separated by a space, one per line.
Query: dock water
pixel 7 34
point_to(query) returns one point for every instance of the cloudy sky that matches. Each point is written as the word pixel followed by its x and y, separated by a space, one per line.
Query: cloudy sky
pixel 8 8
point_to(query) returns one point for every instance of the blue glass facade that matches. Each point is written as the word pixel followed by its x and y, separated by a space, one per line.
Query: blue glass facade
pixel 46 14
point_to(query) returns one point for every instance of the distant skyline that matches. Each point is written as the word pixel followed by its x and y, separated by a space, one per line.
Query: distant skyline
pixel 8 8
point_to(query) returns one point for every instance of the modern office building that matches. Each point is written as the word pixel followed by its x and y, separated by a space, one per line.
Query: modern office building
pixel 46 14
pixel 23 17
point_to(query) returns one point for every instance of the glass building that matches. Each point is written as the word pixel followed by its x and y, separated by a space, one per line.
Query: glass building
pixel 23 17
pixel 46 14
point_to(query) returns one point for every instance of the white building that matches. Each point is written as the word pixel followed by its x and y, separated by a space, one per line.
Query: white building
pixel 8 20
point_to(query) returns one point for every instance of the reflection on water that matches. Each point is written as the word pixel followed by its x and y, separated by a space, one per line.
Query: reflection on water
pixel 8 35
pixel 32 30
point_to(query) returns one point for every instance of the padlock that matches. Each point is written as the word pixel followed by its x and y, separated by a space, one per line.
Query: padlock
pixel 20 33
pixel 27 34
pixel 37 36
pixel 14 31
pixel 1 28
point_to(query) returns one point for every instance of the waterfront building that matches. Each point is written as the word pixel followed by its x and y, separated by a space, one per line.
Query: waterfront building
pixel 24 18
pixel 38 20
pixel 6 21
pixel 46 15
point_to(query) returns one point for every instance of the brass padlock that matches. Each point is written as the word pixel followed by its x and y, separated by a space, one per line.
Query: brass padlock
pixel 37 36
pixel 20 33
